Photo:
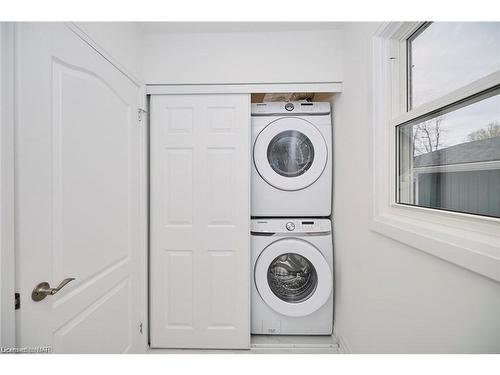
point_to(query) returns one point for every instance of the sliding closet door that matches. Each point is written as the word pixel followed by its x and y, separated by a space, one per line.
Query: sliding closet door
pixel 200 210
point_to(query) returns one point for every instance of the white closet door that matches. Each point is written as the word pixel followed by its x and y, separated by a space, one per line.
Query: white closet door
pixel 78 196
pixel 200 213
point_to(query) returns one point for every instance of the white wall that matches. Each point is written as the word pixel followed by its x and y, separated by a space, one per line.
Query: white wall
pixel 242 57
pixel 121 40
pixel 391 297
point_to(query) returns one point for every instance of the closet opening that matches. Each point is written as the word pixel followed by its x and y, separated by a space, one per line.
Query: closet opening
pixel 292 247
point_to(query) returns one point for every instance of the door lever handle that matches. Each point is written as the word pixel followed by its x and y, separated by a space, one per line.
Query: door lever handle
pixel 43 289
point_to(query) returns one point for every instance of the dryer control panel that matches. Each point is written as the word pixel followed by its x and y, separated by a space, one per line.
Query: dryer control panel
pixel 289 226
pixel 290 108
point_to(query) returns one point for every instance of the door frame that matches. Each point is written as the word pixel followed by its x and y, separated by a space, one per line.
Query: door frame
pixel 7 181
pixel 7 214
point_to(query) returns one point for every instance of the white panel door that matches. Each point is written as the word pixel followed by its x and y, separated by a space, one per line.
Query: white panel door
pixel 200 214
pixel 78 196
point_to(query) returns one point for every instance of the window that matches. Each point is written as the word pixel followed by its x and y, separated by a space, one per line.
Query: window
pixel 436 140
pixel 449 158
pixel 445 56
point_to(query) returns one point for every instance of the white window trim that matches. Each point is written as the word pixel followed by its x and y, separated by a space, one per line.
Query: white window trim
pixel 470 241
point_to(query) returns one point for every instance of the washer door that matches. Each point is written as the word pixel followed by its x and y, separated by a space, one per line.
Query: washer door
pixel 290 153
pixel 293 277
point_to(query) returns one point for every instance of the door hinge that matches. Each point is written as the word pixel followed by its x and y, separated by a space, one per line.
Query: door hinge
pixel 140 328
pixel 140 111
pixel 17 301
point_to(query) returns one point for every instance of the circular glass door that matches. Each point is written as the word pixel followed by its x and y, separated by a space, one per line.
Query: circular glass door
pixel 290 153
pixel 293 277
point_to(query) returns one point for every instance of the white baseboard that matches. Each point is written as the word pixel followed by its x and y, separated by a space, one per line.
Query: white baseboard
pixel 344 348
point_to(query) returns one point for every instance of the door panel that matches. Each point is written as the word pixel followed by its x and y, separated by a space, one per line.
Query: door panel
pixel 88 323
pixel 78 196
pixel 222 173
pixel 178 187
pixel 84 193
pixel 200 215
pixel 223 313
pixel 178 298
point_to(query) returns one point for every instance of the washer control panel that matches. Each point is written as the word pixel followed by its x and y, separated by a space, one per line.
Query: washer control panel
pixel 288 226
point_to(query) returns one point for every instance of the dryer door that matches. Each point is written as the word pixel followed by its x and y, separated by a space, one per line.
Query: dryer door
pixel 293 277
pixel 290 153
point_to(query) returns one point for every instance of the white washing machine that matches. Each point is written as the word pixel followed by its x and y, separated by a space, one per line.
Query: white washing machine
pixel 292 159
pixel 292 278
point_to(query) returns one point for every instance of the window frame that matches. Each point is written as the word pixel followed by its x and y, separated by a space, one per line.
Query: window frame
pixel 469 240
pixel 408 39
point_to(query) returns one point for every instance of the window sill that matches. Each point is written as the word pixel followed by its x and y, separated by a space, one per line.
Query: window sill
pixel 474 250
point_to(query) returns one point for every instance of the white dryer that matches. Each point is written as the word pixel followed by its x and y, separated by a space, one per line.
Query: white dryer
pixel 292 159
pixel 292 278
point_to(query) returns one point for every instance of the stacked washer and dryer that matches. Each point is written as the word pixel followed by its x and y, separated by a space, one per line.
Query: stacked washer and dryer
pixel 292 247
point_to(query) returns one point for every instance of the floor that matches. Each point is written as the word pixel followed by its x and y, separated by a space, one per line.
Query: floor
pixel 267 344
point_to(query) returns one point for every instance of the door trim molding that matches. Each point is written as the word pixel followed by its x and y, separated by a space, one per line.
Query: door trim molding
pixel 244 88
pixel 101 51
pixel 7 217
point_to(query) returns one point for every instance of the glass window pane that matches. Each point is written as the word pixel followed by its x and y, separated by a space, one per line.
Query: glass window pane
pixel 450 160
pixel 444 56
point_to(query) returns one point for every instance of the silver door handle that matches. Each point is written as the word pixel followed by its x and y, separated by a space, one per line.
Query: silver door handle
pixel 43 289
